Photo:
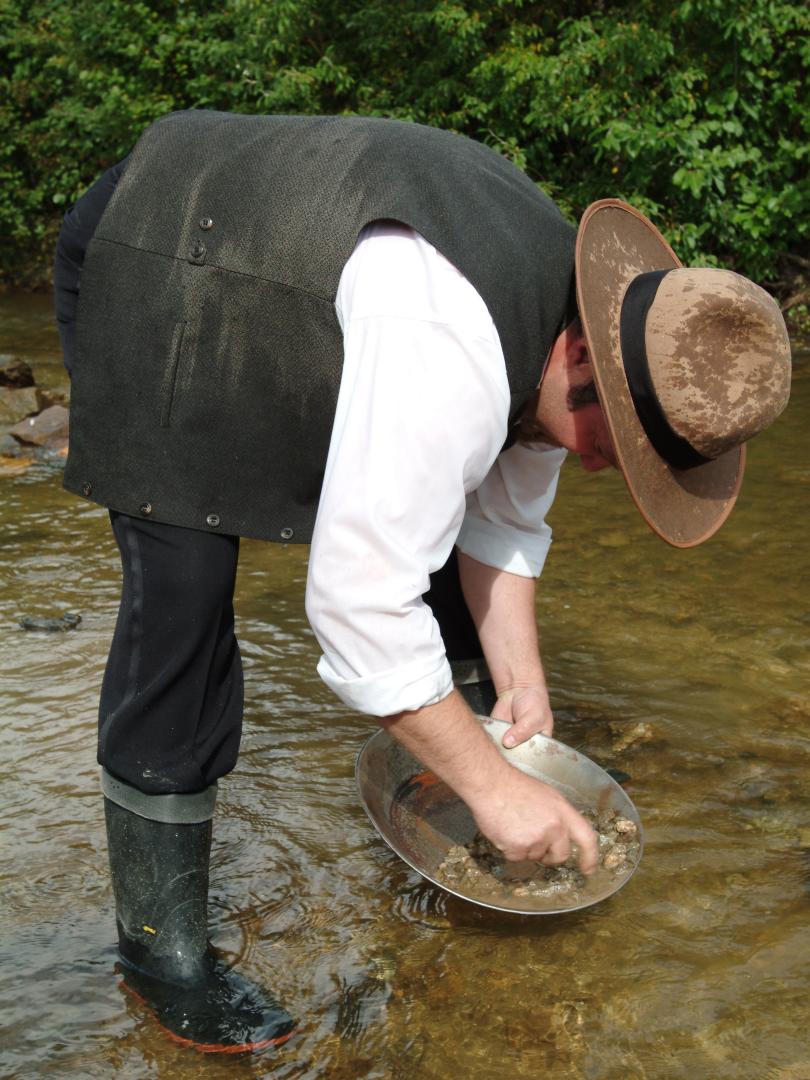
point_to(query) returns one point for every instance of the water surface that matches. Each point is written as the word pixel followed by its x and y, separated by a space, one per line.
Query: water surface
pixel 689 670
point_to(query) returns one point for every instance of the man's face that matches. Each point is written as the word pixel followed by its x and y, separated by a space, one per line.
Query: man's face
pixel 590 436
pixel 568 410
pixel 593 443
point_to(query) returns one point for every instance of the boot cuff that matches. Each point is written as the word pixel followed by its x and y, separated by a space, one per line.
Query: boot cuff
pixel 172 809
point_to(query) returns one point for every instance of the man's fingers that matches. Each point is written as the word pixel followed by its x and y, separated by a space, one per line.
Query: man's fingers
pixel 557 852
pixel 531 821
pixel 527 709
pixel 528 721
pixel 585 839
pixel 524 728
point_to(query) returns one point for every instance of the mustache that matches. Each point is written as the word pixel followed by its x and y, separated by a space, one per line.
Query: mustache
pixel 580 396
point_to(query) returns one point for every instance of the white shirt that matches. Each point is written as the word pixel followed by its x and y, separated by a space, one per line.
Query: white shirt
pixel 413 468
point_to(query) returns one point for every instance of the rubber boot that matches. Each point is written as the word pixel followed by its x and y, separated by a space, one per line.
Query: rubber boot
pixel 160 879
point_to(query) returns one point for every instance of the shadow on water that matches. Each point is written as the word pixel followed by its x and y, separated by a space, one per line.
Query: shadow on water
pixel 689 671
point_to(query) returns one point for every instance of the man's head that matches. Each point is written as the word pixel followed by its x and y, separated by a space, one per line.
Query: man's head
pixel 566 411
pixel 689 363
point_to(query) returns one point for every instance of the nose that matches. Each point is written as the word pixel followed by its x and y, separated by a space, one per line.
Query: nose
pixel 594 462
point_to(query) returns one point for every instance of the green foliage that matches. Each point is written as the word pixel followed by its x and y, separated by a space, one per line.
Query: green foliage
pixel 694 111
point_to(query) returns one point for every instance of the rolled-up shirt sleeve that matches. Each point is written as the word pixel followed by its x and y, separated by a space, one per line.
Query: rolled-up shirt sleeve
pixel 505 523
pixel 421 415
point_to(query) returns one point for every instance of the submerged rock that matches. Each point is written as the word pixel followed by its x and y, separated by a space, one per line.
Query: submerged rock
pixel 14 465
pixel 10 447
pixel 68 621
pixel 619 775
pixel 626 736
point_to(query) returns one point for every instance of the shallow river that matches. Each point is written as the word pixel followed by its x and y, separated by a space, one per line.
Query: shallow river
pixel 688 670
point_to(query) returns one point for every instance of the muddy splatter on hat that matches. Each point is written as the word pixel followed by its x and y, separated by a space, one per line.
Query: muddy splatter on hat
pixel 689 364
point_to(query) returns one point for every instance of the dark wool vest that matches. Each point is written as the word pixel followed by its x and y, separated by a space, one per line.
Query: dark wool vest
pixel 209 354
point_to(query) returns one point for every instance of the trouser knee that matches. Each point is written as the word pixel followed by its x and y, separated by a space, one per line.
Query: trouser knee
pixel 171 703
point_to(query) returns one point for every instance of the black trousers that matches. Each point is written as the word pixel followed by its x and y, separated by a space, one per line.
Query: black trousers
pixel 170 717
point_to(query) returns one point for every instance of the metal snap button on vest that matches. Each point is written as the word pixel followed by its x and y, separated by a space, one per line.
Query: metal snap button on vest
pixel 212 520
pixel 197 254
pixel 287 534
pixel 145 509
pixel 206 223
pixel 87 490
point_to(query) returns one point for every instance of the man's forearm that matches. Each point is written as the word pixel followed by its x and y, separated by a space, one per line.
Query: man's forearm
pixel 448 739
pixel 502 607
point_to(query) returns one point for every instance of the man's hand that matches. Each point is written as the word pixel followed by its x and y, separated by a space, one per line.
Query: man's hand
pixel 530 820
pixel 527 709
pixel 524 818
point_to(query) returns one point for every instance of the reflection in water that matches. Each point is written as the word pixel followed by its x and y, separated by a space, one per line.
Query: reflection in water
pixel 688 670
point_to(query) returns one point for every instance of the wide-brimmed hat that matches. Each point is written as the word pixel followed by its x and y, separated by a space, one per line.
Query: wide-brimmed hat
pixel 689 364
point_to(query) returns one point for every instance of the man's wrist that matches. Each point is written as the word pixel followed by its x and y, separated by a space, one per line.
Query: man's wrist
pixel 530 682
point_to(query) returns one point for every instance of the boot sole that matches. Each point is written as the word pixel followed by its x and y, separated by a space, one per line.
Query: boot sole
pixel 207 1048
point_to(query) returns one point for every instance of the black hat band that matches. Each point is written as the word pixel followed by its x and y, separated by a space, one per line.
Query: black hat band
pixel 671 446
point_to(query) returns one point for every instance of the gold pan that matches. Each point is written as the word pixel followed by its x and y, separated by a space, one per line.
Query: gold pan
pixel 421 818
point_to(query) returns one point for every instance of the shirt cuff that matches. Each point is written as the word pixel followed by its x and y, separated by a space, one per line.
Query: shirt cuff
pixel 388 692
pixel 504 547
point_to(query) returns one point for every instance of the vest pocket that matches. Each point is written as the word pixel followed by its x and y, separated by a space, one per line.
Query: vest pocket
pixel 170 377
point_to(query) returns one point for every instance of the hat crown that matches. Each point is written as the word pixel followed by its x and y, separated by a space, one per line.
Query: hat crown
pixel 719 357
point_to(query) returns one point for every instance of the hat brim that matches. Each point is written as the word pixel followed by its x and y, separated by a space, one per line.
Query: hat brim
pixel 615 243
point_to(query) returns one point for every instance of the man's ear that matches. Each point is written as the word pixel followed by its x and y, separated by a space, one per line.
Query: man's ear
pixel 576 352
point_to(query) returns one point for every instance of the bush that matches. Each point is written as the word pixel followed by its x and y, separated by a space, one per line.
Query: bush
pixel 692 111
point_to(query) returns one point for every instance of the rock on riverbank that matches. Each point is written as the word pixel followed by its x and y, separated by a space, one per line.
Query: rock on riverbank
pixel 33 421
